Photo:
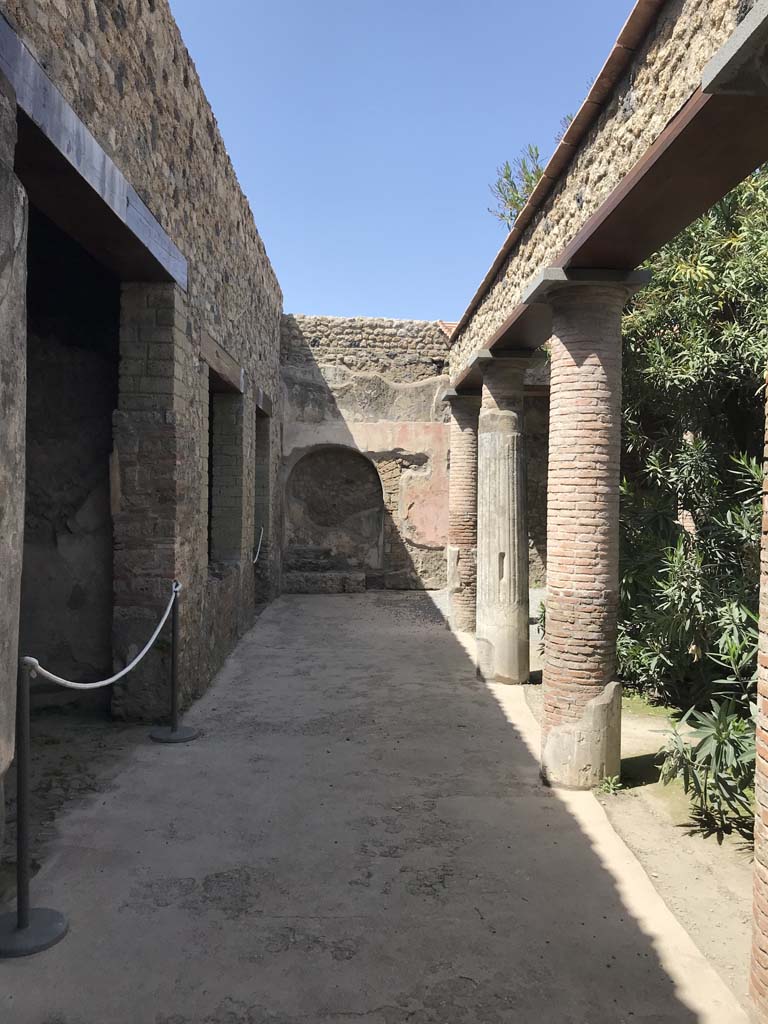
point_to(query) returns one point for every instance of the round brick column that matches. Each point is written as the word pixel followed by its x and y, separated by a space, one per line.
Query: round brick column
pixel 462 512
pixel 582 701
pixel 502 526
pixel 759 970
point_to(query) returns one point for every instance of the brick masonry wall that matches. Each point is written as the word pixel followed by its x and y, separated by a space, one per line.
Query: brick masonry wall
pixel 123 67
pixel 664 73
pixel 226 456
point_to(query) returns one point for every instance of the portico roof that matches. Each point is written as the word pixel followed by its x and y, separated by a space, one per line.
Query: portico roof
pixel 715 140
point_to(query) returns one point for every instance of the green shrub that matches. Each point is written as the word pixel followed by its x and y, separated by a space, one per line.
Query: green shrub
pixel 717 765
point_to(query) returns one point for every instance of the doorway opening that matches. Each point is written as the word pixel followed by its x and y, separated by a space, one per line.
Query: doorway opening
pixel 73 313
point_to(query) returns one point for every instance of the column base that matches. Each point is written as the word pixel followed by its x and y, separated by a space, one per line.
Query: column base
pixel 579 755
pixel 491 668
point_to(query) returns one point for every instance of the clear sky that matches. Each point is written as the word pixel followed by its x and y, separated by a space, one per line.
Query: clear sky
pixel 365 132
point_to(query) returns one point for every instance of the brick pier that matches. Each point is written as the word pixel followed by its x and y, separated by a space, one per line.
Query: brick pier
pixel 462 511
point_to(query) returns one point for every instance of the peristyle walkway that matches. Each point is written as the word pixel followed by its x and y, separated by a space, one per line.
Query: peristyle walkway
pixel 359 835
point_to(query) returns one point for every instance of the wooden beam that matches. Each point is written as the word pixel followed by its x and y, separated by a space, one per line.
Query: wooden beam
pixel 230 373
pixel 263 402
pixel 712 145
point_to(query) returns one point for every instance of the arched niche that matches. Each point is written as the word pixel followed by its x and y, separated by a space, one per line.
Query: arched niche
pixel 334 512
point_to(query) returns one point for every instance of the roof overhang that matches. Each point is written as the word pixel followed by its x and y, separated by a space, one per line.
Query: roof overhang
pixel 70 178
pixel 716 140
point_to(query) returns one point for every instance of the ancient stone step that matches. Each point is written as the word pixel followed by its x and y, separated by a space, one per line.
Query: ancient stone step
pixel 323 582
pixel 306 558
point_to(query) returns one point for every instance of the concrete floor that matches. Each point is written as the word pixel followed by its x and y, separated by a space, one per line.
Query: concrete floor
pixel 359 835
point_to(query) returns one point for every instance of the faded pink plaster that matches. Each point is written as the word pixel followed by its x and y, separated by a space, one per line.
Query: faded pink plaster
pixel 423 490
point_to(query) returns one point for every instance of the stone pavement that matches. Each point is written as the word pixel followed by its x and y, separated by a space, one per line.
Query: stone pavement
pixel 359 835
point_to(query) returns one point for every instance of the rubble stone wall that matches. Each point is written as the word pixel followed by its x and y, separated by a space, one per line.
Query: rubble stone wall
pixel 372 386
pixel 375 385
pixel 664 73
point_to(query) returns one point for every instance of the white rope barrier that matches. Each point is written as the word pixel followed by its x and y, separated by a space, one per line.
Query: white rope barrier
pixel 258 549
pixel 36 668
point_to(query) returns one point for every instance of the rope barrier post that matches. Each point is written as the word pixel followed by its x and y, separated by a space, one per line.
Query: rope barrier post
pixel 31 929
pixel 174 733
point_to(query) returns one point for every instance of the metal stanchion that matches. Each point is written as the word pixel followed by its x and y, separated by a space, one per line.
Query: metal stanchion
pixel 30 929
pixel 174 733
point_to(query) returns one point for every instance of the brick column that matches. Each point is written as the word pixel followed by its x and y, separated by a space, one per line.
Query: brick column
pixel 502 525
pixel 759 970
pixel 13 401
pixel 582 700
pixel 462 511
pixel 155 494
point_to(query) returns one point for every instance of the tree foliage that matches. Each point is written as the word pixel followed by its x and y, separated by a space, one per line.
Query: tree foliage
pixel 514 184
pixel 695 350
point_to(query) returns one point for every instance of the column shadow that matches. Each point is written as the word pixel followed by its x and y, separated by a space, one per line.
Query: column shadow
pixel 365 838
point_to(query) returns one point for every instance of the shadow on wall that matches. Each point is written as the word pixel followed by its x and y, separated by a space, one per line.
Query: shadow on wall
pixel 365 473
pixel 484 895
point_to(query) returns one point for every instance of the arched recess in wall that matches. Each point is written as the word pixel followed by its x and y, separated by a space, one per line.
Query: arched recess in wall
pixel 334 513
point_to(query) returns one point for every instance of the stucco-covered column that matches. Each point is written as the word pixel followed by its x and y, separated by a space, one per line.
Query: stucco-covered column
pixel 13 392
pixel 502 527
pixel 582 700
pixel 462 511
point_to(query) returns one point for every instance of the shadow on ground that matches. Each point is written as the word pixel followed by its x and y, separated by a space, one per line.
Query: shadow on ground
pixel 640 770
pixel 359 835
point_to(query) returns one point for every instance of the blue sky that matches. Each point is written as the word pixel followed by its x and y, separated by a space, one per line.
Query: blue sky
pixel 365 133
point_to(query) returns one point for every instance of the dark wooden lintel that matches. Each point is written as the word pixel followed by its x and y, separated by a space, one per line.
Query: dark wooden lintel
pixel 228 371
pixel 72 180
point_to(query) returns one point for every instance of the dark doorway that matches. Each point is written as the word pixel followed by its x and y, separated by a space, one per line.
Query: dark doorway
pixel 73 307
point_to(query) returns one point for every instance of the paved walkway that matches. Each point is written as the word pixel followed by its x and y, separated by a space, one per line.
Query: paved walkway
pixel 360 835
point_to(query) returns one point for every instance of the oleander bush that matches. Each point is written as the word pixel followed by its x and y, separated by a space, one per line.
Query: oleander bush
pixel 696 350
pixel 695 356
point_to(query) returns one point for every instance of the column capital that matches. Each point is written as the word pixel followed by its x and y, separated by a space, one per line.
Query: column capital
pixel 456 398
pixel 552 280
pixel 520 360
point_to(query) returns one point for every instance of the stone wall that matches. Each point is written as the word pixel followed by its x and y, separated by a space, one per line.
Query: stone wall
pixel 373 386
pixel 665 71
pixel 122 66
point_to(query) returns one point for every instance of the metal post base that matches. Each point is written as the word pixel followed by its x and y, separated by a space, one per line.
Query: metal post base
pixel 46 928
pixel 165 734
